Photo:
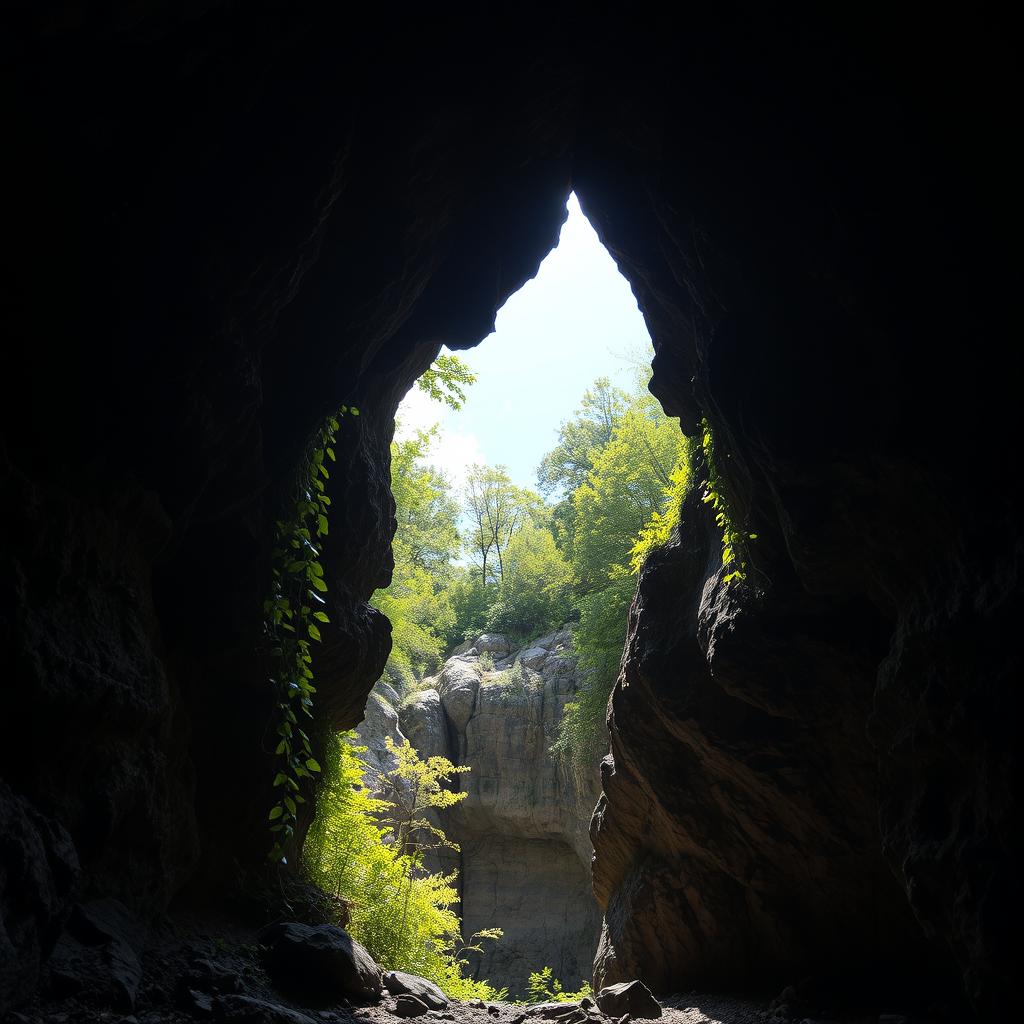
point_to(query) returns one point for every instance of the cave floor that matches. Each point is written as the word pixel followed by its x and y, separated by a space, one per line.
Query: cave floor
pixel 210 969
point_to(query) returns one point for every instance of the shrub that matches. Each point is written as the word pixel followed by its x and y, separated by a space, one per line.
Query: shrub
pixel 400 912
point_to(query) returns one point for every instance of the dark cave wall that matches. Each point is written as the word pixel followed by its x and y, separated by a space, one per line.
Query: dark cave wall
pixel 223 224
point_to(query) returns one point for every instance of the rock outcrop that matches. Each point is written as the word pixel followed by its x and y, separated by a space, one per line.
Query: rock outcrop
pixel 523 827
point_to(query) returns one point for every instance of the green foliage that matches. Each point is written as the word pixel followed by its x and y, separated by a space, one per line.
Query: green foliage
pixel 293 613
pixel 627 504
pixel 427 540
pixel 367 852
pixel 543 987
pixel 444 381
pixel 512 684
pixel 471 601
pixel 496 508
pixel 566 466
pixel 734 539
pixel 536 587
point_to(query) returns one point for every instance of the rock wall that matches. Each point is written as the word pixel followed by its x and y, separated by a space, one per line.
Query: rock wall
pixel 223 221
pixel 525 855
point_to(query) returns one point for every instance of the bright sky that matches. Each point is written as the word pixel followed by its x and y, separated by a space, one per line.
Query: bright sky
pixel 575 321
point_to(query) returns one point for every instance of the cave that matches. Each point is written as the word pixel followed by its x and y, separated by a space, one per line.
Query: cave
pixel 225 221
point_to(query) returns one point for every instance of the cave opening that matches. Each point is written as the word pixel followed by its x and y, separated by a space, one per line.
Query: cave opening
pixel 531 476
pixel 228 220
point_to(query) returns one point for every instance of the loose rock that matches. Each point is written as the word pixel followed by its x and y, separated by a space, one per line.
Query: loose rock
pixel 628 997
pixel 399 983
pixel 323 958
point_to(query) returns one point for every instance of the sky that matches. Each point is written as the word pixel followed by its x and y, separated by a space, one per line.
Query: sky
pixel 575 321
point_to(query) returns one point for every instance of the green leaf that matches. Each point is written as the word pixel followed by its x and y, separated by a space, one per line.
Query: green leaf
pixel 321 523
pixel 275 812
pixel 318 582
pixel 321 617
pixel 312 764
pixel 330 454
pixel 313 631
pixel 290 804
pixel 280 779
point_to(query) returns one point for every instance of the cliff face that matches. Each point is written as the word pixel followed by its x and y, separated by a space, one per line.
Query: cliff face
pixel 224 221
pixel 523 826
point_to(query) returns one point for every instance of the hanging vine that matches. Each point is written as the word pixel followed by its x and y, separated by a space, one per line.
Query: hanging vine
pixel 734 539
pixel 293 614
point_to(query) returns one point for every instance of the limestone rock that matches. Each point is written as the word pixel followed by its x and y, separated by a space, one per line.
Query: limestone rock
pixel 399 983
pixel 458 687
pixel 524 825
pixel 629 997
pixel 322 958
pixel 422 720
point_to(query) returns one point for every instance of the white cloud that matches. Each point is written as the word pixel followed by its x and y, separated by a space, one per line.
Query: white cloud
pixel 454 452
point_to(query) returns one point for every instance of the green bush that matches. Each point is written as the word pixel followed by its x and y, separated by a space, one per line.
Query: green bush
pixel 400 912
pixel 544 988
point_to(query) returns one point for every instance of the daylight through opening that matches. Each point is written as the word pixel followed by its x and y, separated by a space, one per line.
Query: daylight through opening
pixel 532 475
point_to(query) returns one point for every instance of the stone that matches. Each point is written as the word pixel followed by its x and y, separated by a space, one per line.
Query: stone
pixel 399 982
pixel 97 956
pixel 458 687
pixel 38 872
pixel 407 1005
pixel 552 1011
pixel 235 1009
pixel 492 643
pixel 533 657
pixel 524 825
pixel 320 958
pixel 632 998
pixel 422 720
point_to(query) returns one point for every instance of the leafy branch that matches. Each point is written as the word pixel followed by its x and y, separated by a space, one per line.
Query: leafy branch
pixel 293 614
pixel 734 539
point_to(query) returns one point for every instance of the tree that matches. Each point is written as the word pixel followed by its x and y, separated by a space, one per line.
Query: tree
pixel 401 913
pixel 566 466
pixel 536 588
pixel 496 508
pixel 425 544
pixel 627 504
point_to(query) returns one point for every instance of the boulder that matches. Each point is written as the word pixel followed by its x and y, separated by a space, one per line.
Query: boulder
pixel 458 687
pixel 422 721
pixel 399 983
pixel 320 958
pixel 534 657
pixel 628 997
pixel 97 955
pixel 492 643
pixel 407 1005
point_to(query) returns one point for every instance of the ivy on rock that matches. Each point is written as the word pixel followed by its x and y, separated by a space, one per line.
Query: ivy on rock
pixel 293 614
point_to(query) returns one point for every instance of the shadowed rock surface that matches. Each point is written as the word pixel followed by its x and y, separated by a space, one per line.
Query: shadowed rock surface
pixel 223 221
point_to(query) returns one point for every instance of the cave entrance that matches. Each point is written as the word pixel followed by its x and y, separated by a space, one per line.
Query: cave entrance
pixel 530 476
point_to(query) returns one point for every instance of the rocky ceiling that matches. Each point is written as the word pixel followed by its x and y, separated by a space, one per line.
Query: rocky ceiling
pixel 224 220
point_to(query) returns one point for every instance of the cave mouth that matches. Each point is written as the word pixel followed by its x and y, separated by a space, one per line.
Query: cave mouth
pixel 525 473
